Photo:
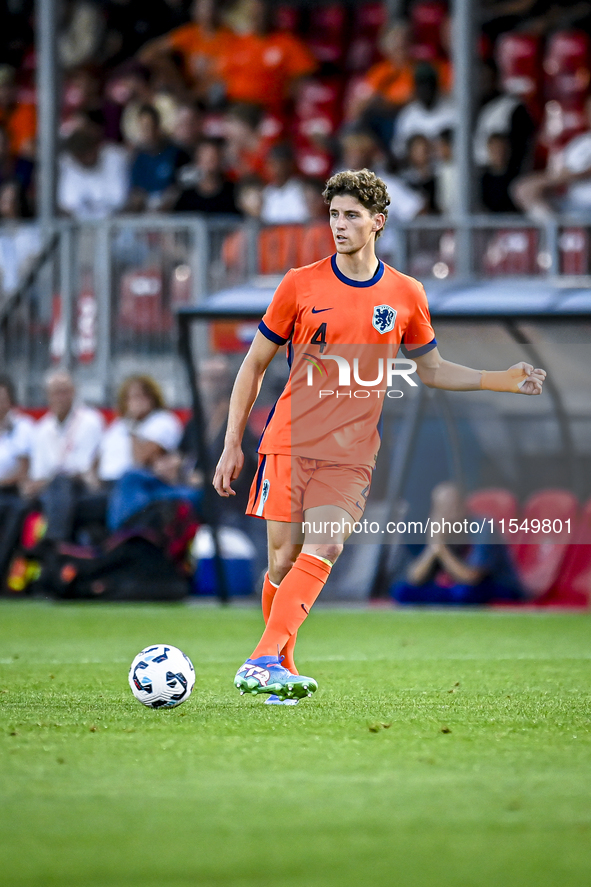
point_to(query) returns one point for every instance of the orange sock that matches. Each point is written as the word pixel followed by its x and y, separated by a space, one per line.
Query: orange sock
pixel 267 600
pixel 292 602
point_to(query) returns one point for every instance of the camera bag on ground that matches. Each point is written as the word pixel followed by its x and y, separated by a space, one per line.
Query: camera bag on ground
pixel 146 560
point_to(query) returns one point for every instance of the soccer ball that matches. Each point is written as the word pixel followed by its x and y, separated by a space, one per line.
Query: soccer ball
pixel 161 676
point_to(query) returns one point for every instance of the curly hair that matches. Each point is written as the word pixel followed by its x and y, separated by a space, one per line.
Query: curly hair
pixel 150 388
pixel 365 186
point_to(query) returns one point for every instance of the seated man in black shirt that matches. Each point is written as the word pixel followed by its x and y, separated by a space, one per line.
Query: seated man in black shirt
pixel 457 568
pixel 205 187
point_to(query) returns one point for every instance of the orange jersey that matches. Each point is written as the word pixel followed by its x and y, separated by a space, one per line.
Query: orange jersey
pixel 21 125
pixel 395 85
pixel 204 55
pixel 343 337
pixel 261 68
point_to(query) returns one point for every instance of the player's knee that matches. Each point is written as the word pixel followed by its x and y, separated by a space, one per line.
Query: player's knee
pixel 330 551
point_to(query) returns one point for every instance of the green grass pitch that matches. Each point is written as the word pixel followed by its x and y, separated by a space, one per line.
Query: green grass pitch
pixel 442 750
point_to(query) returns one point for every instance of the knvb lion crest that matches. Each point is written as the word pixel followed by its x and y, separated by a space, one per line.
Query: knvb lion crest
pixel 384 318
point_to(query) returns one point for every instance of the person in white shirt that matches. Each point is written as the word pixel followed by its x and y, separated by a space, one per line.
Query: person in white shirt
pixel 15 448
pixel 65 446
pixel 564 186
pixel 93 176
pixel 428 115
pixel 141 405
pixel 284 198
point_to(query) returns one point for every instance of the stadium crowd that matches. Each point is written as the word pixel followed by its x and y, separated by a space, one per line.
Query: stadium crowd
pixel 182 106
pixel 79 481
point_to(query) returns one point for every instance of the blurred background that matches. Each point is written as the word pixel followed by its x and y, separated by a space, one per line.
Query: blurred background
pixel 155 157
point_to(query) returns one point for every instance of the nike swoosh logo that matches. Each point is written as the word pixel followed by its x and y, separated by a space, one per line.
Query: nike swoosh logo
pixel 320 310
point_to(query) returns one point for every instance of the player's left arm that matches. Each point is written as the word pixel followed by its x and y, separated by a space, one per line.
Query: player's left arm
pixel 435 372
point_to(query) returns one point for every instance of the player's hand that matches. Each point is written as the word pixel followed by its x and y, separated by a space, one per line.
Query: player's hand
pixel 535 378
pixel 227 470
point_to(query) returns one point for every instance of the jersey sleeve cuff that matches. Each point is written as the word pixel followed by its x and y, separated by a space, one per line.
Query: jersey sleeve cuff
pixel 419 350
pixel 269 334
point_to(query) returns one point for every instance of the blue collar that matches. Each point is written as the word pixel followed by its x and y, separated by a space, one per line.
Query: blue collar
pixel 350 282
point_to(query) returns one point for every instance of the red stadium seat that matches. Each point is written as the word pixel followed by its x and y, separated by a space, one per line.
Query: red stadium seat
pixel 573 246
pixel 368 21
pixel 573 585
pixel 493 502
pixel 328 32
pixel 427 17
pixel 511 252
pixel 567 65
pixel 141 308
pixel 518 58
pixel 318 94
pixel 562 121
pixel 312 160
pixel 286 18
pixel 539 555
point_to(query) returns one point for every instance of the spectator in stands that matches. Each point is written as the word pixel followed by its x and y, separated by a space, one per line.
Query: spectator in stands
pixel 81 100
pixel 388 85
pixel 139 399
pixel 16 433
pixel 429 114
pixel 566 187
pixel 155 165
pixel 264 66
pixel 14 167
pixel 283 197
pixel 127 90
pixel 460 569
pixel 93 176
pixel 502 114
pixel 235 249
pixel 65 445
pixel 418 172
pixel 446 174
pixel 17 117
pixel 246 146
pixel 157 471
pixel 20 240
pixel 81 33
pixel 203 45
pixel 205 186
pixel 187 131
pixel 496 179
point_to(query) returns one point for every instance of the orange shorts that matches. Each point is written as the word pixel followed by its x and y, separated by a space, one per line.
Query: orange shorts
pixel 284 487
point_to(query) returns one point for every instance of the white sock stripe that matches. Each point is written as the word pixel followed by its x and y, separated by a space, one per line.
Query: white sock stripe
pixel 324 560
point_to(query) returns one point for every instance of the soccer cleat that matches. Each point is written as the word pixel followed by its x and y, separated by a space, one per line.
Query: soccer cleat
pixel 267 675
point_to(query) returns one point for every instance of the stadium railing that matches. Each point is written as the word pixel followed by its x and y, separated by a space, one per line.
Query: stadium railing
pixel 100 297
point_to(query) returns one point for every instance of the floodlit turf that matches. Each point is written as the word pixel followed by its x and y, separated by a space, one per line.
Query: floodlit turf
pixel 441 750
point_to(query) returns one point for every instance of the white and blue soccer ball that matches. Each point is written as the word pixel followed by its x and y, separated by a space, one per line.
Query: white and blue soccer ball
pixel 161 676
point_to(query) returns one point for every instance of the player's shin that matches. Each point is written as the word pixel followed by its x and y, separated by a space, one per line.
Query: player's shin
pixel 268 595
pixel 292 603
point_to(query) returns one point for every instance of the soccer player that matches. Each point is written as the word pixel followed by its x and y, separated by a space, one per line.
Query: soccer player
pixel 345 318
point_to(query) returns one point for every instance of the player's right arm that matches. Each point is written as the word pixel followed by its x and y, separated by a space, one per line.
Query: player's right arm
pixel 246 388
